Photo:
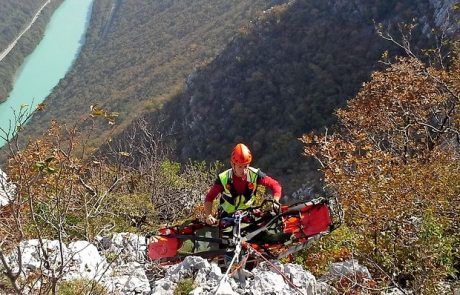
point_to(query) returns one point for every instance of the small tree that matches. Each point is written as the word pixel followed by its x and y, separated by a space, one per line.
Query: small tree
pixel 51 200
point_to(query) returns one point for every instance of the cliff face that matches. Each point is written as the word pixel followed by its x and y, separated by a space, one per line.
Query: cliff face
pixel 443 14
pixel 446 15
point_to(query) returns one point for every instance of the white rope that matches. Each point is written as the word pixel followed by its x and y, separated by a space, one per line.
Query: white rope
pixel 234 259
pixel 237 251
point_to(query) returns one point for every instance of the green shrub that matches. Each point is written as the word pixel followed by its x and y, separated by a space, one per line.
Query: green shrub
pixel 126 212
pixel 184 287
pixel 81 286
pixel 337 246
pixel 5 283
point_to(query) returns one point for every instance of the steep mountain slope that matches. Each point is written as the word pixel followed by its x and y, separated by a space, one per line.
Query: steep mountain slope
pixel 14 17
pixel 281 78
pixel 138 52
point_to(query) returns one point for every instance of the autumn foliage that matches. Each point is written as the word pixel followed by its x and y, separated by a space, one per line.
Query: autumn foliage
pixel 395 162
pixel 63 189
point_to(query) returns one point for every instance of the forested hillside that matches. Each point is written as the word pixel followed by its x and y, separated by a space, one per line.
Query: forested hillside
pixel 223 79
pixel 14 17
pixel 139 52
pixel 284 76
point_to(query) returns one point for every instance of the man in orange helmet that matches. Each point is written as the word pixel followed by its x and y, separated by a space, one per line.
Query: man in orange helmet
pixel 237 186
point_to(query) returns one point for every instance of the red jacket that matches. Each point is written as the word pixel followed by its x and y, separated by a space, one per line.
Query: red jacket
pixel 240 185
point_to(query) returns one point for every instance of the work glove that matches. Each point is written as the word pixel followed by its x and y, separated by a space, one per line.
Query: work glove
pixel 210 220
pixel 153 239
pixel 257 212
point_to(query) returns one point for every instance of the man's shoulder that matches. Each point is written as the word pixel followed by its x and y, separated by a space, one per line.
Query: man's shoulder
pixel 227 174
pixel 228 171
pixel 259 172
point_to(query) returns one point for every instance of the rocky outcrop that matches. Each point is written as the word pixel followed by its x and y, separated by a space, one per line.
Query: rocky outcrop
pixel 117 266
pixel 264 279
pixel 348 269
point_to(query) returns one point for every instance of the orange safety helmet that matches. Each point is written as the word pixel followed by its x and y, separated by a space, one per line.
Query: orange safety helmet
pixel 241 155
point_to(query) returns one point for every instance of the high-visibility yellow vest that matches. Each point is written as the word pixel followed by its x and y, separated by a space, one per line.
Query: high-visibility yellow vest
pixel 230 203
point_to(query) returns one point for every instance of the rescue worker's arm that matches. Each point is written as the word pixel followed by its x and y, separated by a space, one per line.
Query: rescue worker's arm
pixel 214 191
pixel 209 219
pixel 207 208
pixel 272 184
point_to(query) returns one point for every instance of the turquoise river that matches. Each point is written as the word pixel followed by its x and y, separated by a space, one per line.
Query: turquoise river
pixel 49 62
